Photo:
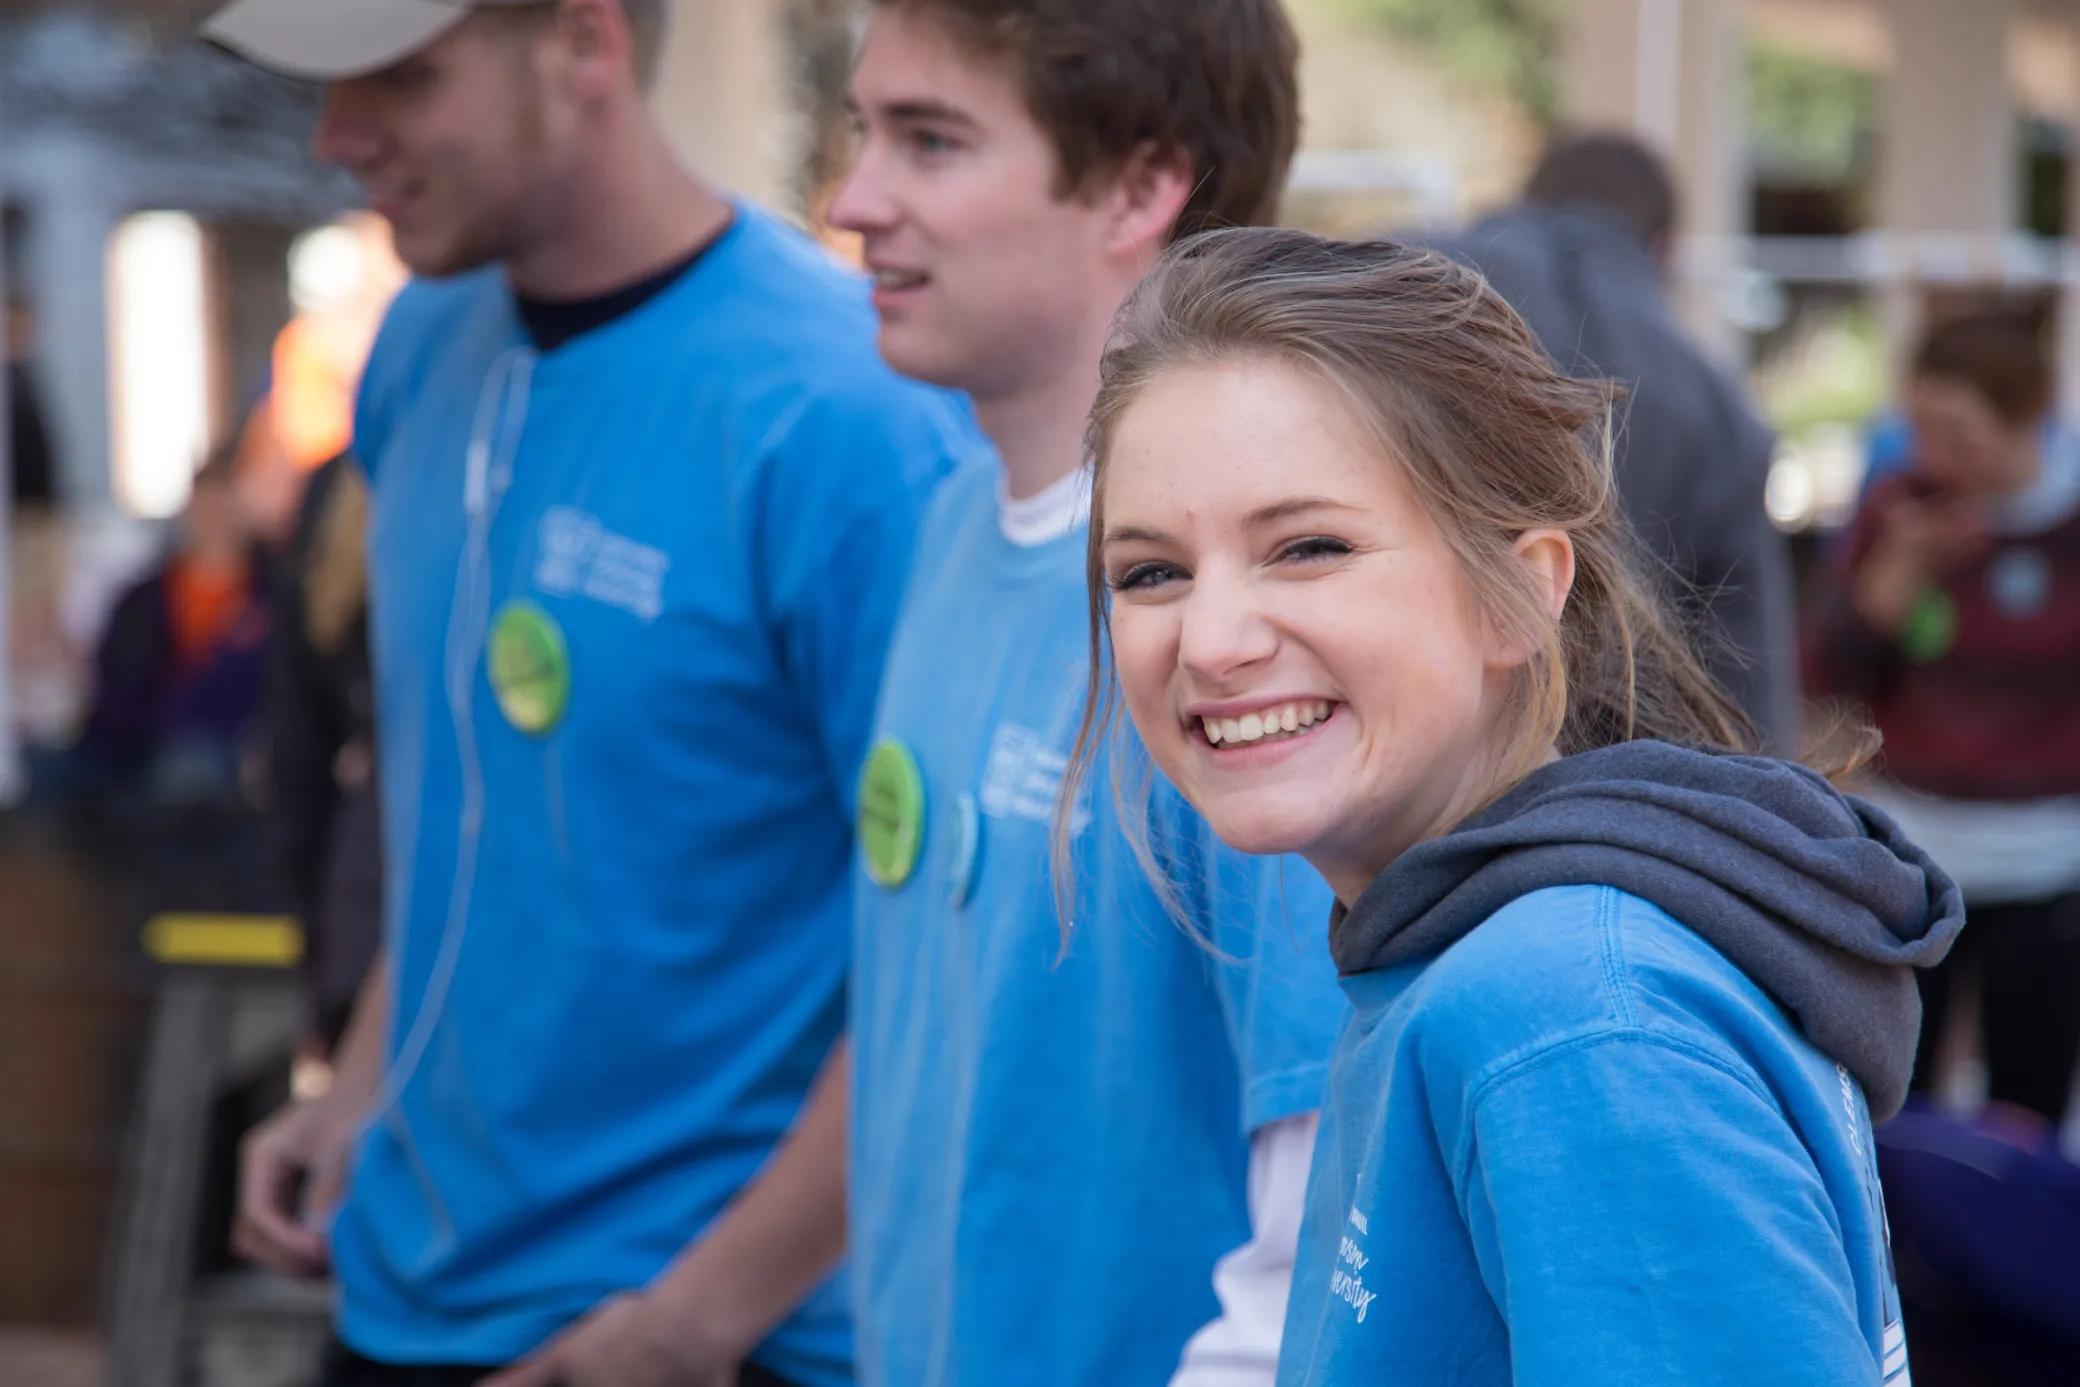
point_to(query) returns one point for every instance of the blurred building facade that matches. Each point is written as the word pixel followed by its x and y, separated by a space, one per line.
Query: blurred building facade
pixel 1953 75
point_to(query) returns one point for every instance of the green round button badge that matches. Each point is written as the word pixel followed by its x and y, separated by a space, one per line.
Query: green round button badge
pixel 891 814
pixel 530 667
pixel 1931 627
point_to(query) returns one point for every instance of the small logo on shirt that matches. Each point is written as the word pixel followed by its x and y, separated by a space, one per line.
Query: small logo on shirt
pixel 1023 778
pixel 1347 1284
pixel 580 557
pixel 1852 1110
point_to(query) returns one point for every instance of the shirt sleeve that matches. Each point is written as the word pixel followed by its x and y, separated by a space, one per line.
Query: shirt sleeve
pixel 1240 1347
pixel 1643 1213
pixel 845 480
pixel 1265 924
pixel 375 397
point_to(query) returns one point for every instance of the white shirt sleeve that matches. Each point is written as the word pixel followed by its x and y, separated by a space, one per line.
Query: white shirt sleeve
pixel 1240 1348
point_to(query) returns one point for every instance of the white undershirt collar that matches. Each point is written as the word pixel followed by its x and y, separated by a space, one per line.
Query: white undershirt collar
pixel 1050 513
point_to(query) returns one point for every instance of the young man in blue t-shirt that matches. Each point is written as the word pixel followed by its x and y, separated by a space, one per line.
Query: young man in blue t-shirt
pixel 644 497
pixel 1076 1166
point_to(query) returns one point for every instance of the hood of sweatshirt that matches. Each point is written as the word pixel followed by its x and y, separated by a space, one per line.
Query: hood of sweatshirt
pixel 1815 895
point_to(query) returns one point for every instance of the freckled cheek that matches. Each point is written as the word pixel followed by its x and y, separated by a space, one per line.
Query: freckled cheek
pixel 1403 660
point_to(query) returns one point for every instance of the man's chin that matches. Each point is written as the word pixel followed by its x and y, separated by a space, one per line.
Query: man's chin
pixel 431 258
pixel 909 353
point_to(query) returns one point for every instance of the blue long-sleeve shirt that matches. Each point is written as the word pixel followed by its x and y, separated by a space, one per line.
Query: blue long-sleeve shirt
pixel 1579 1146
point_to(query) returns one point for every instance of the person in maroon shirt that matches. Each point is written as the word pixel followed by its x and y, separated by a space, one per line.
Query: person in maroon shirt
pixel 1954 619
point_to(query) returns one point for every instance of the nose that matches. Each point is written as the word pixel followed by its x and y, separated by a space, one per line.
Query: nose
pixel 347 133
pixel 863 204
pixel 1223 632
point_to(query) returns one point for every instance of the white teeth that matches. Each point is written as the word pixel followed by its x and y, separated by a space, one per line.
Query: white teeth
pixel 1270 722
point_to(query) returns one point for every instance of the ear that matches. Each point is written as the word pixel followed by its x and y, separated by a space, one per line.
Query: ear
pixel 1549 555
pixel 1145 199
pixel 1548 560
pixel 594 45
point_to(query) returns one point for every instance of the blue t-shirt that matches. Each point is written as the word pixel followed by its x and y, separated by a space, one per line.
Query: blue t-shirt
pixel 1580 1146
pixel 1049 1153
pixel 619 942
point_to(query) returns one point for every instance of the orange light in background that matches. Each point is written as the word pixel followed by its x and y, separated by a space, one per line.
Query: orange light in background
pixel 311 404
pixel 341 277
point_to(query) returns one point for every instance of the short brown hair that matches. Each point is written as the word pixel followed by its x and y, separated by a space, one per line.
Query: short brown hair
pixel 646 26
pixel 1999 354
pixel 1615 174
pixel 1491 438
pixel 1215 80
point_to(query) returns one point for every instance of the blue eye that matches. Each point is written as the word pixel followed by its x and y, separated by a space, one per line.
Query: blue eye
pixel 1315 547
pixel 1142 576
pixel 930 142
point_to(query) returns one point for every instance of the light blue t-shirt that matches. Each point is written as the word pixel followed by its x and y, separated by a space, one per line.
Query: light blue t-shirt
pixel 1049 1154
pixel 1580 1146
pixel 619 943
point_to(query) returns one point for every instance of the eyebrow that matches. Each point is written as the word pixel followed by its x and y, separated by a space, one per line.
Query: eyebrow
pixel 1263 515
pixel 1292 506
pixel 921 108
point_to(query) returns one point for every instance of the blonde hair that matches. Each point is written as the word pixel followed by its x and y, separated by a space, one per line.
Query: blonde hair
pixel 1491 437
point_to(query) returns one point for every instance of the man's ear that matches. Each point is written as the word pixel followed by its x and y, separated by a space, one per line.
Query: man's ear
pixel 1146 197
pixel 595 45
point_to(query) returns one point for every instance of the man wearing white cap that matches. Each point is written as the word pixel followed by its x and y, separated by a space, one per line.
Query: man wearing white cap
pixel 644 496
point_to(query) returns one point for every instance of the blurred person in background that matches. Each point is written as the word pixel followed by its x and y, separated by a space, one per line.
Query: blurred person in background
pixel 179 668
pixel 642 502
pixel 1952 611
pixel 1584 257
pixel 1954 617
pixel 321 745
pixel 1888 435
pixel 32 467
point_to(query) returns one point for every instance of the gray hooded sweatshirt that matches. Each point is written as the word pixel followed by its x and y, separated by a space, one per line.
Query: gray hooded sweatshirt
pixel 1814 894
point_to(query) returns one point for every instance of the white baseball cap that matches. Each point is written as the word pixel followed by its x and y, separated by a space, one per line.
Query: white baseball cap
pixel 332 40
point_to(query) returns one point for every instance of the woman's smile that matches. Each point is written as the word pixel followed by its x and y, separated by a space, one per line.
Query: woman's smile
pixel 1274 723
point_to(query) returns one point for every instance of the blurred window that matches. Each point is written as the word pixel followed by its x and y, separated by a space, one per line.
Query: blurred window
pixel 160 360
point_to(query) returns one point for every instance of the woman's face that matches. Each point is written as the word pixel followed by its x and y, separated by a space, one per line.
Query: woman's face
pixel 1293 637
pixel 1962 442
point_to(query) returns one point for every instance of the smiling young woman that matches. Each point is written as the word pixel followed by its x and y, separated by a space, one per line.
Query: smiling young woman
pixel 1620 987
